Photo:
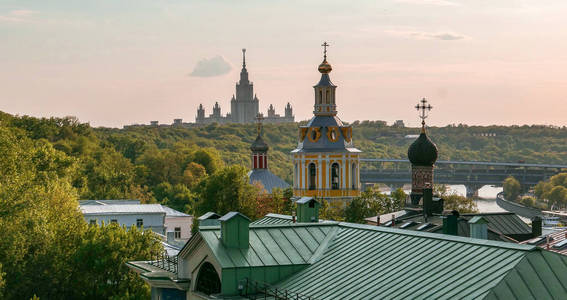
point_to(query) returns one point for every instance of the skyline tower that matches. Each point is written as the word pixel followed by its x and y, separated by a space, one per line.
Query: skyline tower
pixel 244 105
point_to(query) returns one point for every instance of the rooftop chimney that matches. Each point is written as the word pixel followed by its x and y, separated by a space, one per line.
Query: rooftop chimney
pixel 427 202
pixel 450 223
pixel 307 210
pixel 478 227
pixel 234 230
pixel 536 226
pixel 209 219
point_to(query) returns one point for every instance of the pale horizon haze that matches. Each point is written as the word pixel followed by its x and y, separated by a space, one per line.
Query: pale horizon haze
pixel 114 63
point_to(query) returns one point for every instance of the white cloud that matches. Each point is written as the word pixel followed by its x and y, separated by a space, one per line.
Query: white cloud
pixel 215 66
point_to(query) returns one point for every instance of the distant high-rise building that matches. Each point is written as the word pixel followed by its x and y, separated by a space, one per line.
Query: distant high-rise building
pixel 244 105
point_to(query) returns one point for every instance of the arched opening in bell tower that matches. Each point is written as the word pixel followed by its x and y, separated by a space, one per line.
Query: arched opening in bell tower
pixel 354 172
pixel 312 176
pixel 335 176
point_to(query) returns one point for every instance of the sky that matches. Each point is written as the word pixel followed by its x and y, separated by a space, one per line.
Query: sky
pixel 117 62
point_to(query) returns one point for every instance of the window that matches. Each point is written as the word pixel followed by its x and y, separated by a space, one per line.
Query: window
pixel 354 171
pixel 208 281
pixel 313 135
pixel 312 176
pixel 320 97
pixel 92 222
pixel 177 231
pixel 139 222
pixel 327 99
pixel 297 179
pixel 113 221
pixel 335 176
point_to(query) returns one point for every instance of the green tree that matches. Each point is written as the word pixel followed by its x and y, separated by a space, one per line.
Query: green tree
pixel 178 196
pixel 39 220
pixel 400 196
pixel 459 203
pixel 512 188
pixel 227 190
pixel 372 203
pixel 558 196
pixel 99 263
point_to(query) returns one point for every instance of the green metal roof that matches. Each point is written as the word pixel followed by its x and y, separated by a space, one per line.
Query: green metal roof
pixel 273 245
pixel 273 219
pixel 505 223
pixel 540 275
pixel 277 219
pixel 370 262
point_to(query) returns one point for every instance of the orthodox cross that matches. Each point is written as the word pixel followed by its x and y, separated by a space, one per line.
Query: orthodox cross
pixel 325 45
pixel 244 57
pixel 259 119
pixel 425 108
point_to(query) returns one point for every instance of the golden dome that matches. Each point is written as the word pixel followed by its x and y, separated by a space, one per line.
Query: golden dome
pixel 325 67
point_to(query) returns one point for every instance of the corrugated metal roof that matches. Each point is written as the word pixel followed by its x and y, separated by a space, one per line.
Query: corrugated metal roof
pixel 267 179
pixel 115 209
pixel 540 275
pixel 272 245
pixel 273 219
pixel 555 238
pixel 170 212
pixel 108 202
pixel 231 215
pixel 277 219
pixel 370 262
pixel 504 222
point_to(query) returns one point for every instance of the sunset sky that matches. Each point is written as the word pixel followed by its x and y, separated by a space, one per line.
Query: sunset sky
pixel 116 62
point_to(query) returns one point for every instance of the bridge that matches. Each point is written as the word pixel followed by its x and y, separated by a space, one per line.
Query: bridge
pixel 472 174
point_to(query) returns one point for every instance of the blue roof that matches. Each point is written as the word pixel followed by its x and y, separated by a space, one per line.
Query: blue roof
pixel 170 212
pixel 267 179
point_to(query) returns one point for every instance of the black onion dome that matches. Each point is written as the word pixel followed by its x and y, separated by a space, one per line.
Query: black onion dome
pixel 259 145
pixel 422 152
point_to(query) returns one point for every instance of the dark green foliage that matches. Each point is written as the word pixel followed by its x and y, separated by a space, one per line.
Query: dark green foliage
pixel 373 203
pixel 100 270
pixel 227 190
pixel 512 188
pixel 46 243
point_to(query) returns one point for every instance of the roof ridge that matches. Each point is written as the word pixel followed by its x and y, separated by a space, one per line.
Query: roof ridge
pixel 437 236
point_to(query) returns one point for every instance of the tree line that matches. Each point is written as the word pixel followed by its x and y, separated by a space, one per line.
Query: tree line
pixel 47 164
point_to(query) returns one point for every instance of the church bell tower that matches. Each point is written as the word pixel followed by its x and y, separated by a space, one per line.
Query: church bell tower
pixel 326 163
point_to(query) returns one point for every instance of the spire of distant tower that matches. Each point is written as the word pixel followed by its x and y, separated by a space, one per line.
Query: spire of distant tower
pixel 243 57
pixel 425 108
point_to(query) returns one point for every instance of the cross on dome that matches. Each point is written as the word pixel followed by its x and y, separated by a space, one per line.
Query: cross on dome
pixel 259 119
pixel 425 108
pixel 325 45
